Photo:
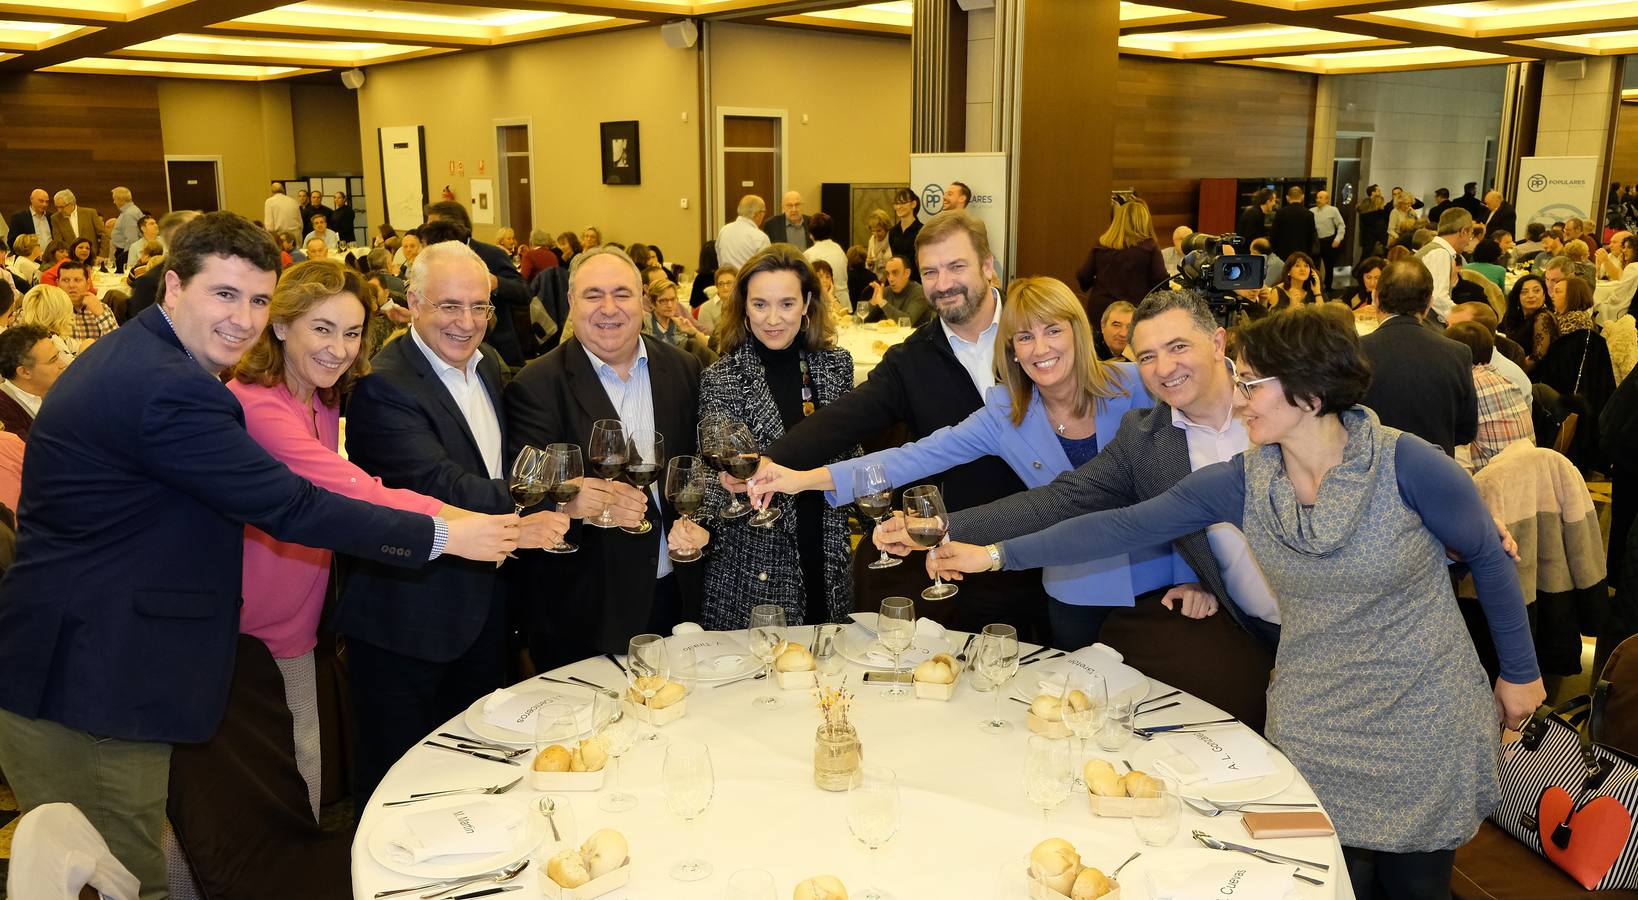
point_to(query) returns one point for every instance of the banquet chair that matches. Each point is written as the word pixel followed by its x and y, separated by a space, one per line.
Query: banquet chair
pixel 56 854
pixel 1566 433
pixel 1496 866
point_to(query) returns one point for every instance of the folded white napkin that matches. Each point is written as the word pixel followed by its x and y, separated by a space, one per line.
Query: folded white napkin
pixel 929 637
pixel 1118 677
pixel 476 827
pixel 1248 880
pixel 714 652
pixel 1218 756
pixel 515 710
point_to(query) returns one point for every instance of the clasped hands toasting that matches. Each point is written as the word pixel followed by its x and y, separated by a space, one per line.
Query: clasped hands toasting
pixel 491 538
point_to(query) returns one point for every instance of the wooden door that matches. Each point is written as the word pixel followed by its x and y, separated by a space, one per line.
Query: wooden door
pixel 193 184
pixel 519 209
pixel 750 162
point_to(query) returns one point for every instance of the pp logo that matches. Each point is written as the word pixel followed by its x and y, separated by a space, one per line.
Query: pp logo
pixel 1537 182
pixel 932 199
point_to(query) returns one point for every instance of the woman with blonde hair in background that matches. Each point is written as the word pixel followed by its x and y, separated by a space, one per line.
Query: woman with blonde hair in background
pixel 1053 408
pixel 48 306
pixel 1124 264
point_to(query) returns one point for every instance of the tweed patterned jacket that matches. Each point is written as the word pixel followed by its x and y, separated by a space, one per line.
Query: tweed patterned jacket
pixel 748 566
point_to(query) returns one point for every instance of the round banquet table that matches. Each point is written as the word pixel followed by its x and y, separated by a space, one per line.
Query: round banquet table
pixel 860 340
pixel 966 827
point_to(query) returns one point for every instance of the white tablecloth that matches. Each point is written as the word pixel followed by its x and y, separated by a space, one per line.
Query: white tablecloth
pixel 964 815
pixel 860 340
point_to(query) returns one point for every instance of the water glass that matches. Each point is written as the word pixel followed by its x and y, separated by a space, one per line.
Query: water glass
pixel 827 656
pixel 896 630
pixel 648 669
pixel 554 724
pixel 1117 725
pixel 1160 829
pixel 873 814
pixel 1048 777
pixel 687 780
pixel 750 884
pixel 766 632
pixel 618 732
pixel 996 658
pixel 1085 702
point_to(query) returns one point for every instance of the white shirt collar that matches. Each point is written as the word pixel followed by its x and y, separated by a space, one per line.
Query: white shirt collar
pixel 995 324
pixel 601 367
pixel 30 402
pixel 439 365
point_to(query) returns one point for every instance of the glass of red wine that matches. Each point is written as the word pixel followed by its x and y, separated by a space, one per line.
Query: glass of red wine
pixel 685 483
pixel 608 449
pixel 645 461
pixel 928 523
pixel 562 473
pixel 713 442
pixel 527 482
pixel 740 455
pixel 873 494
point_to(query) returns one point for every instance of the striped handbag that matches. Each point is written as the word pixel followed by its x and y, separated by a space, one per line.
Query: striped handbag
pixel 1572 800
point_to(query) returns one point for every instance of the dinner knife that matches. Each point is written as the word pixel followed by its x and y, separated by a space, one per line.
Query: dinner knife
pixel 617 664
pixel 510 762
pixel 1264 855
pixel 487 892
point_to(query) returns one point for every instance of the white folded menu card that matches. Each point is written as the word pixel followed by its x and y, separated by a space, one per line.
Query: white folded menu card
pixel 1118 677
pixel 515 711
pixel 476 827
pixel 1217 756
pixel 928 638
pixel 713 651
pixel 1248 880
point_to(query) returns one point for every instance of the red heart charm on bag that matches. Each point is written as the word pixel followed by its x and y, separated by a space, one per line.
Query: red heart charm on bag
pixel 1598 833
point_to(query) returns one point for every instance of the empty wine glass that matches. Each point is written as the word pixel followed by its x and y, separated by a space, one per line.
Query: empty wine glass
pixel 1117 724
pixel 873 814
pixel 740 456
pixel 618 732
pixel 648 669
pixel 766 634
pixel 688 782
pixel 1157 824
pixel 645 461
pixel 997 660
pixel 608 449
pixel 873 494
pixel 1084 701
pixel 554 724
pixel 1048 777
pixel 927 523
pixel 562 472
pixel 685 484
pixel 750 884
pixel 896 629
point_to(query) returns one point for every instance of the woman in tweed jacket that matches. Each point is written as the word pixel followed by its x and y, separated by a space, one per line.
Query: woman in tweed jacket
pixel 777 367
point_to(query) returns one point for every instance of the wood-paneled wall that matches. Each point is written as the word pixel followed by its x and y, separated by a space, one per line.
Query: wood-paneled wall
pixel 1180 122
pixel 86 133
pixel 1624 161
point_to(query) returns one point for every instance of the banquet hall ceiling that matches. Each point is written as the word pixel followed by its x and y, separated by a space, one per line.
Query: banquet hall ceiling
pixel 268 39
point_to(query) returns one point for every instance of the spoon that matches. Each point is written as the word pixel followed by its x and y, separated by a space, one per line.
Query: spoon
pixel 504 875
pixel 1124 864
pixel 548 808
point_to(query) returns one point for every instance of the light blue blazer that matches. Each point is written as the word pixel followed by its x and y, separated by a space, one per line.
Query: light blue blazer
pixel 1033 452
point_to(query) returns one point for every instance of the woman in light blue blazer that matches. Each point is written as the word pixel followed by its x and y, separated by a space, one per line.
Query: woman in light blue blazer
pixel 1055 405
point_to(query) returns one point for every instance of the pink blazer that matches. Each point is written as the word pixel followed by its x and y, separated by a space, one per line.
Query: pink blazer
pixel 284 583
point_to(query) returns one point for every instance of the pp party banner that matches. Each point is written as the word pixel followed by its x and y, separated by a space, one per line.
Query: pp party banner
pixel 984 173
pixel 1555 188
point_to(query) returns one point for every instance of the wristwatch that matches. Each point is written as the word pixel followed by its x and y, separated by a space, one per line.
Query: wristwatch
pixel 995 556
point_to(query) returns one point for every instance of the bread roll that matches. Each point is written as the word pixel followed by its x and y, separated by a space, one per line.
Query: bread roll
pixel 555 758
pixel 821 887
pixel 1077 701
pixel 567 869
pixel 1101 779
pixel 604 852
pixel 1056 863
pixel 795 658
pixel 594 752
pixel 668 695
pixel 1090 885
pixel 1048 708
pixel 941 669
pixel 1138 784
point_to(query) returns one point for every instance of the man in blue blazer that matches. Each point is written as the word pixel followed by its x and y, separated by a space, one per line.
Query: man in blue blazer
pixel 119 619
pixel 428 418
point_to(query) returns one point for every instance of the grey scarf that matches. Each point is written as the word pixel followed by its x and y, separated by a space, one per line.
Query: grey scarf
pixel 1344 491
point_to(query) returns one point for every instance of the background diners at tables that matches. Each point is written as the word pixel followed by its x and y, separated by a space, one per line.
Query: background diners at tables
pixel 936 581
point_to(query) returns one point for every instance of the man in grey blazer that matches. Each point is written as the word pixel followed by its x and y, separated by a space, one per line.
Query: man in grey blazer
pixel 1224 658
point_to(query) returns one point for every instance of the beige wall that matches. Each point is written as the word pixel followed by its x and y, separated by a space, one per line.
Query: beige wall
pixel 853 89
pixel 246 124
pixel 565 88
pixel 325 122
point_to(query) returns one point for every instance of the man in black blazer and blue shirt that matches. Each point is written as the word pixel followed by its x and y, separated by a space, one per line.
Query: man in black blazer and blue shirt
pixel 1421 381
pixel 428 418
pixel 617 584
pixel 118 621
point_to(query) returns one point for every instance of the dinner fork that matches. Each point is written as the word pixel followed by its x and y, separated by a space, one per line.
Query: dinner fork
pixel 1213 809
pixel 962 656
pixel 429 795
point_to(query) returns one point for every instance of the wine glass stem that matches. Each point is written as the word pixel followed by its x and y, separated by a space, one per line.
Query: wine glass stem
pixel 997 719
pixel 897 687
pixel 614 775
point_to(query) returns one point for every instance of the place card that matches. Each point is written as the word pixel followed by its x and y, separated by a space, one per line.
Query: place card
pixel 714 652
pixel 1218 756
pixel 476 827
pixel 1121 679
pixel 515 711
pixel 1248 880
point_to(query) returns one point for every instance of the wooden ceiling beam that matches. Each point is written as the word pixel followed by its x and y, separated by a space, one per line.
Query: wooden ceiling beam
pixel 1245 13
pixel 742 10
pixel 178 19
pixel 331 33
pixel 619 9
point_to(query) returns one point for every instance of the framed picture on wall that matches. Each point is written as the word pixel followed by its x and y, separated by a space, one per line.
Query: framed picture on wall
pixel 621 163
